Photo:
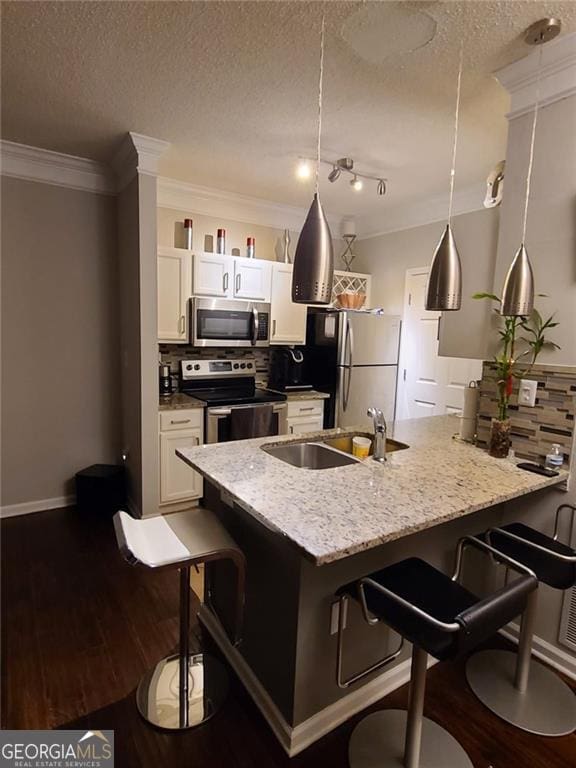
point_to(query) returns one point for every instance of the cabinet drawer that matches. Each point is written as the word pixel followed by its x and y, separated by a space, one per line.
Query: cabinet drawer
pixel 305 408
pixel 181 419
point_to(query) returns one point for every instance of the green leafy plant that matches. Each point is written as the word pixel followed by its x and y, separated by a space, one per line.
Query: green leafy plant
pixel 509 362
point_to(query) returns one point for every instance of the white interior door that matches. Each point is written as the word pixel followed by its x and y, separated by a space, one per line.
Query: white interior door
pixel 429 385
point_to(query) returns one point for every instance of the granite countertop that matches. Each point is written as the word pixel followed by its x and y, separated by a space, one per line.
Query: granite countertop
pixel 178 401
pixel 330 514
pixel 306 394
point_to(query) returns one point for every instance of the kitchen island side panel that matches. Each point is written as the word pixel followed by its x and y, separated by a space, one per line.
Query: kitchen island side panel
pixel 269 634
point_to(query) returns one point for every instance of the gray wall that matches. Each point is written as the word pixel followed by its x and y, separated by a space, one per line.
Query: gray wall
pixel 60 397
pixel 387 257
pixel 551 231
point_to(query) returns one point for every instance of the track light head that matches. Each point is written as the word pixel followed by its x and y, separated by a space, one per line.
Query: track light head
pixel 303 171
pixel 356 184
pixel 334 174
pixel 381 188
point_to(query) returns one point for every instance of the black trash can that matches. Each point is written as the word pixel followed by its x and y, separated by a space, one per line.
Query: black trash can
pixel 101 489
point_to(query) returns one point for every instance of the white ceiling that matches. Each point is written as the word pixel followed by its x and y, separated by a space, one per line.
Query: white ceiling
pixel 233 87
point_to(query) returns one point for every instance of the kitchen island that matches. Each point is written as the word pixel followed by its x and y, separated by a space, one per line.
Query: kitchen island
pixel 307 532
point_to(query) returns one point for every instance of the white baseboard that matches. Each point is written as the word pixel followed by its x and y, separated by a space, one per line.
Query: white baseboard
pixel 294 739
pixel 29 507
pixel 550 654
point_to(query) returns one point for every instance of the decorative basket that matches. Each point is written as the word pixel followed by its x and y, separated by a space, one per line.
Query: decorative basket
pixel 350 300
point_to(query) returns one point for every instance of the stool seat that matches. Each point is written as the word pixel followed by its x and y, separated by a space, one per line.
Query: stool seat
pixel 548 569
pixel 436 595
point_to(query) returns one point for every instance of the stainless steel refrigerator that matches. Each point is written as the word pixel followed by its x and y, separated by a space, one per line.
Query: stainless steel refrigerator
pixel 354 357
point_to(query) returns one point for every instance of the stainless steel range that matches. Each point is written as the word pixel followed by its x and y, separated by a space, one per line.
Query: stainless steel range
pixel 235 408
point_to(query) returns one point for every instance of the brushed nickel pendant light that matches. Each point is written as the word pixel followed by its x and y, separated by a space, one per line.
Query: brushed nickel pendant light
pixel 444 288
pixel 314 257
pixel 518 290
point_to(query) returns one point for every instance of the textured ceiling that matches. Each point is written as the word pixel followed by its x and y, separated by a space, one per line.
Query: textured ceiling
pixel 232 85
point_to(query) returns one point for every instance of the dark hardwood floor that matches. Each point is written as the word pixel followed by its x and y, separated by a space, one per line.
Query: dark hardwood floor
pixel 80 627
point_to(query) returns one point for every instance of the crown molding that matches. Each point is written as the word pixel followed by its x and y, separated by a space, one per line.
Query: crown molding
pixel 192 198
pixel 21 161
pixel 137 154
pixel 420 212
pixel 558 78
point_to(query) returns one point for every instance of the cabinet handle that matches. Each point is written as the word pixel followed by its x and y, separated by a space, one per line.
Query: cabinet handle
pixel 311 408
pixel 179 421
pixel 238 282
pixel 225 282
pixel 273 327
pixel 291 430
pixel 182 324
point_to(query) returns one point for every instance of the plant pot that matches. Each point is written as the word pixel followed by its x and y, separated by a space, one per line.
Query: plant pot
pixel 500 438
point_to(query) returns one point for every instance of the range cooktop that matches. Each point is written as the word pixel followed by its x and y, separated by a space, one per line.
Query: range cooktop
pixel 235 396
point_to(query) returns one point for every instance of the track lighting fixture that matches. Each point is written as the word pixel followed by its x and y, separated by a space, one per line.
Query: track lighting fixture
pixel 334 174
pixel 337 168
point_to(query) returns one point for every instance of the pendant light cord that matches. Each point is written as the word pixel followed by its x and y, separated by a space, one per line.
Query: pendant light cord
pixel 532 142
pixel 320 87
pixel 456 121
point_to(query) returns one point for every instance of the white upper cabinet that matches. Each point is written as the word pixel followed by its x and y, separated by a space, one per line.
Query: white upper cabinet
pixel 213 275
pixel 174 275
pixel 232 277
pixel 288 320
pixel 252 279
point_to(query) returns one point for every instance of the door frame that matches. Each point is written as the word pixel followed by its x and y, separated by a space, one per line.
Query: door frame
pixel 404 343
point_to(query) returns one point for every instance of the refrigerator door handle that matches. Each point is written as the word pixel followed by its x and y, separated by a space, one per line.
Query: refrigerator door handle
pixel 349 344
pixel 347 392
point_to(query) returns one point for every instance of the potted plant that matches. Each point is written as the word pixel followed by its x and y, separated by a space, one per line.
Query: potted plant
pixel 521 341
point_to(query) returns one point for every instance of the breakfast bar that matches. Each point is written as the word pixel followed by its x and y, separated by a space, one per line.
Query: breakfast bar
pixel 307 532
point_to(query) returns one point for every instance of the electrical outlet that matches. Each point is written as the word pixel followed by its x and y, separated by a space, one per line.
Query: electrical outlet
pixel 527 392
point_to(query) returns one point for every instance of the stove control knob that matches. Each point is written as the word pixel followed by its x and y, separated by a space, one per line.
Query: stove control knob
pixel 242 365
pixel 236 365
pixel 250 365
pixel 197 367
pixel 189 367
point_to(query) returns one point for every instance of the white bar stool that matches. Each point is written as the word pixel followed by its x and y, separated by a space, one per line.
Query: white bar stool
pixel 185 689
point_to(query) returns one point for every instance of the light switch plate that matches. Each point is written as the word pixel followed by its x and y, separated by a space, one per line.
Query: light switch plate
pixel 527 392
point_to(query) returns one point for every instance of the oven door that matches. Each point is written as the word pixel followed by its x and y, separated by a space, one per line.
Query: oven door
pixel 242 422
pixel 223 323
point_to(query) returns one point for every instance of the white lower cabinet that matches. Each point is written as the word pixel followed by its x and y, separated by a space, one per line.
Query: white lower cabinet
pixel 305 416
pixel 179 429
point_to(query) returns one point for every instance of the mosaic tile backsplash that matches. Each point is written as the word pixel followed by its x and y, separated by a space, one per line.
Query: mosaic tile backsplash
pixel 173 353
pixel 533 429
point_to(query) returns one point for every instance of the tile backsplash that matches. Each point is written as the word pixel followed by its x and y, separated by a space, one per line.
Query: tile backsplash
pixel 551 420
pixel 173 353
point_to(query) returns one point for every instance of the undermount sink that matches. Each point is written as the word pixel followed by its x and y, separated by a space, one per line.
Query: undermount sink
pixel 309 455
pixel 344 443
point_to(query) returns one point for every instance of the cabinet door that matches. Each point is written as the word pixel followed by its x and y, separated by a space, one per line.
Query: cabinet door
pixel 252 279
pixel 178 481
pixel 173 293
pixel 288 319
pixel 213 274
pixel 301 424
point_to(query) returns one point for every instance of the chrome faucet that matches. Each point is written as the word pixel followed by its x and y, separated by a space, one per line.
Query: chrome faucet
pixel 380 434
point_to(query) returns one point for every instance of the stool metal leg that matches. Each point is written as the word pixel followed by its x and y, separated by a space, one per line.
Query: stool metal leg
pixel 185 689
pixel 528 695
pixel 394 738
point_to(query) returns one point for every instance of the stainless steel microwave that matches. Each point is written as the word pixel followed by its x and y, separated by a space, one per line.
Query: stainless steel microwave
pixel 224 323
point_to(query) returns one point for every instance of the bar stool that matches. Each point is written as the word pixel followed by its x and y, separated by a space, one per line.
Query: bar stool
pixel 188 688
pixel 439 617
pixel 532 697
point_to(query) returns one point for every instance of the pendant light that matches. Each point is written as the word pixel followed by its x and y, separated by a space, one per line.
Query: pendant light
pixel 518 290
pixel 444 288
pixel 314 258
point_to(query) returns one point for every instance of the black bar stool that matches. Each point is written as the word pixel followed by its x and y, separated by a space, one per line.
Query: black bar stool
pixel 188 688
pixel 532 697
pixel 439 617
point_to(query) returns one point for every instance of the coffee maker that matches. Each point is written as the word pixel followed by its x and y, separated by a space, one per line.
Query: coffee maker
pixel 287 370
